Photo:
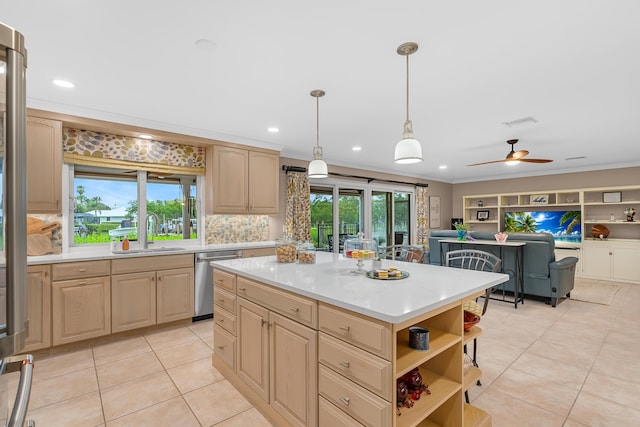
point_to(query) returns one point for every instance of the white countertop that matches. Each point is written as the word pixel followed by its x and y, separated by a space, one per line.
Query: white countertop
pixel 331 280
pixel 103 251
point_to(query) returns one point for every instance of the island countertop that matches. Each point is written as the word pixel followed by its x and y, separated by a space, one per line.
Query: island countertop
pixel 331 280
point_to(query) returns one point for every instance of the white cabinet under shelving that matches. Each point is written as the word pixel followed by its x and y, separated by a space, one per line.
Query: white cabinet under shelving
pixel 611 260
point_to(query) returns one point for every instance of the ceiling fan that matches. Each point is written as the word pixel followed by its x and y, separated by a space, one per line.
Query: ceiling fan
pixel 515 157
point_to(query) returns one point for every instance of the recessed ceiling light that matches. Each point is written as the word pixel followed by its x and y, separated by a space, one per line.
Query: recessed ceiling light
pixel 206 44
pixel 273 129
pixel 62 83
pixel 442 166
pixel 356 148
pixel 145 136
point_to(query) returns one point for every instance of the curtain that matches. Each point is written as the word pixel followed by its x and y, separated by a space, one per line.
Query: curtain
pixel 422 216
pixel 298 215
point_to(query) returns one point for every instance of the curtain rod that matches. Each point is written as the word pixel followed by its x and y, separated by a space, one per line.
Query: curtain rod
pixel 369 180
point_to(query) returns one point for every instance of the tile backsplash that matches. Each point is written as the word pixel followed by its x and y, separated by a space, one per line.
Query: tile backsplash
pixel 236 228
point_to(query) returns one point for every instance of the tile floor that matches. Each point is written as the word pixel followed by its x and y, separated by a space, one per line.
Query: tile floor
pixel 573 365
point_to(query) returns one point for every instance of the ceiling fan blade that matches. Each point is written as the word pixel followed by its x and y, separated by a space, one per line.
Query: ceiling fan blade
pixel 536 160
pixel 519 154
pixel 486 163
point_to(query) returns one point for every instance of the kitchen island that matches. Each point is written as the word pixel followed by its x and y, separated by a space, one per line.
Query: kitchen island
pixel 317 344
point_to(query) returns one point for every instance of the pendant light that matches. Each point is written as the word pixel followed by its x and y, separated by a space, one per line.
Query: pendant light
pixel 318 167
pixel 408 150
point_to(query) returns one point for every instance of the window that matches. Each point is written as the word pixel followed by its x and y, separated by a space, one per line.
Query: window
pixel 107 200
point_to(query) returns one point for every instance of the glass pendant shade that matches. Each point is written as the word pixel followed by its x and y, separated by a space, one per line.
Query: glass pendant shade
pixel 318 169
pixel 408 149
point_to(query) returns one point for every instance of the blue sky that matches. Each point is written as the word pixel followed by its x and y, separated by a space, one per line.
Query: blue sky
pixel 116 194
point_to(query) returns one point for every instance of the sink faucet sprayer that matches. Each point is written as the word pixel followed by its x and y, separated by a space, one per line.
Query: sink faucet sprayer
pixel 154 230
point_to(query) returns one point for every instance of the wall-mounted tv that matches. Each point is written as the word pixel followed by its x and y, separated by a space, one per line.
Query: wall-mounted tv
pixel 564 225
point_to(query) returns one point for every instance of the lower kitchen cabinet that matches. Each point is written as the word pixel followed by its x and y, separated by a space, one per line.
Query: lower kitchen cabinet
pixel 133 298
pixel 38 307
pixel 175 294
pixel 277 358
pixel 81 309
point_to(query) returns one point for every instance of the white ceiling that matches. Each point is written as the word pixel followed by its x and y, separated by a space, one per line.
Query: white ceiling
pixel 573 65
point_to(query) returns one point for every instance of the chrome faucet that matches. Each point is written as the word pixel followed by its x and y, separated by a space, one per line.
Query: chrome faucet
pixel 145 243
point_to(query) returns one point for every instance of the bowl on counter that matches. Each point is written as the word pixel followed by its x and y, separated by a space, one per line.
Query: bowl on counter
pixel 501 237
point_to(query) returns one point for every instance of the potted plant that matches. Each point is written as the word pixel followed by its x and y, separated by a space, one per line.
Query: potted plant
pixel 462 229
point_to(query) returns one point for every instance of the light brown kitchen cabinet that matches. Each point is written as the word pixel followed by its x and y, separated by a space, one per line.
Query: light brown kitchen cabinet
pixel 133 298
pixel 245 181
pixel 151 290
pixel 38 307
pixel 44 165
pixel 255 252
pixel 80 301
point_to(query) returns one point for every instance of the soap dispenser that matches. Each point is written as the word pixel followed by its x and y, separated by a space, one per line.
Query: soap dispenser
pixel 125 244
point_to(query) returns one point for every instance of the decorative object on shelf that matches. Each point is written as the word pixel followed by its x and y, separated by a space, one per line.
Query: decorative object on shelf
pixel 630 213
pixel 412 382
pixel 472 313
pixel 318 167
pixel 599 231
pixel 419 338
pixel 569 199
pixel 514 157
pixel 470 319
pixel 612 197
pixel 408 150
pixel 501 237
pixel 462 229
pixel 612 217
pixel 480 203
pixel 482 215
pixel 539 199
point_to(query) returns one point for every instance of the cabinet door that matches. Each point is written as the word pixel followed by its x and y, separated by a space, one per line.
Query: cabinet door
pixel 44 165
pixel 293 379
pixel 264 176
pixel 230 185
pixel 253 347
pixel 175 293
pixel 81 309
pixel 133 298
pixel 625 263
pixel 38 307
pixel 597 261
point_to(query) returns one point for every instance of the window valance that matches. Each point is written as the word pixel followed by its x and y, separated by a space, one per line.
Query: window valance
pixel 91 148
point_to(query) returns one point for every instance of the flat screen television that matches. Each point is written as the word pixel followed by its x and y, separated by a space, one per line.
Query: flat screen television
pixel 563 225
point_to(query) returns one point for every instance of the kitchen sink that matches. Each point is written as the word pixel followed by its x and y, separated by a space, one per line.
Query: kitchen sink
pixel 163 249
pixel 148 250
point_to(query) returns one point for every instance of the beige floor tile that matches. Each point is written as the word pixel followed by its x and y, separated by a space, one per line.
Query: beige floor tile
pixel 594 411
pixel 216 402
pixel 194 375
pixel 208 341
pixel 551 370
pixel 121 349
pixel 580 355
pixel 615 367
pixel 202 328
pixel 128 369
pixel 623 392
pixel 63 363
pixel 85 410
pixel 251 418
pixel 129 397
pixel 63 387
pixel 170 337
pixel 184 353
pixel 500 352
pixel 570 423
pixel 536 391
pixel 171 413
pixel 509 412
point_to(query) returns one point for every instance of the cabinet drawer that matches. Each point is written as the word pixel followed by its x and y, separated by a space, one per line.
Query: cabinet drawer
pixel 224 346
pixel 151 263
pixel 79 270
pixel 224 280
pixel 330 416
pixel 366 333
pixel 225 320
pixel 354 400
pixel 368 370
pixel 300 309
pixel 224 299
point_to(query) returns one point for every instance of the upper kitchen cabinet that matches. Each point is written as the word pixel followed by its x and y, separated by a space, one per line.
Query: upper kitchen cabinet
pixel 245 181
pixel 44 165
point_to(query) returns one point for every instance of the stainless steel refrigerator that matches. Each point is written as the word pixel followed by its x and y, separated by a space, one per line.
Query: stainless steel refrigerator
pixel 13 242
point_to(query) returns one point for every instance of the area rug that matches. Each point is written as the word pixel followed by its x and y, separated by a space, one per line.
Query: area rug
pixel 597 293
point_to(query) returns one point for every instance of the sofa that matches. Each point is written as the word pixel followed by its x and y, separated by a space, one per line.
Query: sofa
pixel 543 276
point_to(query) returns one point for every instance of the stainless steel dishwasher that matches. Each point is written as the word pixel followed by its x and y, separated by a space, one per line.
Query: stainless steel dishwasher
pixel 203 306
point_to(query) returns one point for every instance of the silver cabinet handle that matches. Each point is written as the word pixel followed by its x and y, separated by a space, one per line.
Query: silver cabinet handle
pixel 82 270
pixel 295 309
pixel 242 289
pixel 262 322
pixel 345 328
pixel 345 400
pixel 220 347
pixel 345 364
